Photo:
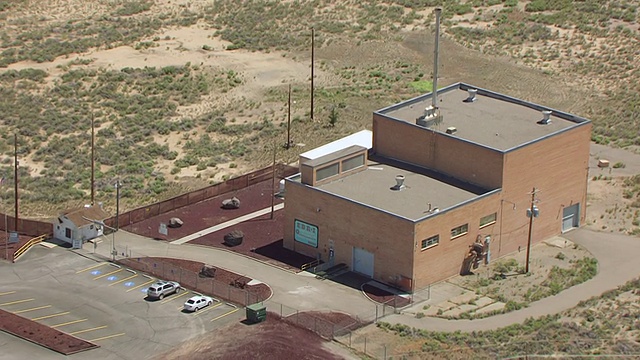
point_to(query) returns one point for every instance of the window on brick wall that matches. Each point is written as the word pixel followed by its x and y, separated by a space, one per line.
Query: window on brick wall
pixel 459 230
pixel 487 220
pixel 429 242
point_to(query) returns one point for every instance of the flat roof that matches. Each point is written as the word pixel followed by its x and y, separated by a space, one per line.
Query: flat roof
pixel 373 187
pixel 493 120
pixel 353 149
pixel 363 138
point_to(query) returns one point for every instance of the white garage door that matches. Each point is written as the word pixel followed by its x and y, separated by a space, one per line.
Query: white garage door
pixel 570 217
pixel 363 262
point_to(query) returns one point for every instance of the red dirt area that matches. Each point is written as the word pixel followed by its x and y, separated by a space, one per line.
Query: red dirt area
pixel 207 213
pixel 384 297
pixel 187 272
pixel 262 240
pixel 270 339
pixel 42 335
pixel 7 250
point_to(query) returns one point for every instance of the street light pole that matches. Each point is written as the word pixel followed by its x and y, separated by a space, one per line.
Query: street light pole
pixel 113 238
pixel 117 204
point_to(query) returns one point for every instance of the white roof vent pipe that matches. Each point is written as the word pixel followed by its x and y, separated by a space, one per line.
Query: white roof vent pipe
pixel 546 117
pixel 471 97
pixel 399 183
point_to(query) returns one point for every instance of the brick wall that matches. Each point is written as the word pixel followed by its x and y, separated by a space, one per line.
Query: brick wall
pixel 349 225
pixel 445 259
pixel 436 151
pixel 558 168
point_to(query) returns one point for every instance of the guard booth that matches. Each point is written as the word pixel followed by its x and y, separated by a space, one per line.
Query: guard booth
pixel 256 312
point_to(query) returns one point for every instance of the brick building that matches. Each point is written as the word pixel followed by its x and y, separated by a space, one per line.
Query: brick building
pixel 408 210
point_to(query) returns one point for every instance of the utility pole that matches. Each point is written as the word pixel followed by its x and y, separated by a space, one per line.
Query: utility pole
pixel 15 182
pixel 273 180
pixel 92 161
pixel 531 213
pixel 117 204
pixel 313 37
pixel 288 145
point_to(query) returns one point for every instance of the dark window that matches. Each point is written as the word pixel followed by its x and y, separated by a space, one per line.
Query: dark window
pixel 487 220
pixel 429 242
pixel 67 233
pixel 459 231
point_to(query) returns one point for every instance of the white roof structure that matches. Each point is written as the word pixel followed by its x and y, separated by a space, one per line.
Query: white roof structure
pixel 363 138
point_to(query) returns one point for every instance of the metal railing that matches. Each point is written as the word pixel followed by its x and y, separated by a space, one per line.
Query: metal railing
pixel 310 265
pixel 28 246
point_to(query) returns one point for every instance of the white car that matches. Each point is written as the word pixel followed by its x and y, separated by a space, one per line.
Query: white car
pixel 197 302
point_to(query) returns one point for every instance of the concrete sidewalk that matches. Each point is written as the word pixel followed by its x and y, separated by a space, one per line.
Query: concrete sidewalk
pixel 225 225
pixel 301 291
pixel 617 264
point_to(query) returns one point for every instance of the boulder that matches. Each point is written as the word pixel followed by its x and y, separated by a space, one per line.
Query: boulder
pixel 234 238
pixel 207 271
pixel 233 203
pixel 175 222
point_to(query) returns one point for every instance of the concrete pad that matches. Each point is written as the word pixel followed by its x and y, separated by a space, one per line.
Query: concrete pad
pixel 484 301
pixel 559 242
pixel 464 298
pixel 459 310
pixel 432 295
pixel 496 306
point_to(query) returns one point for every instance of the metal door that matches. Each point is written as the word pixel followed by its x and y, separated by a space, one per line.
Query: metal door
pixel 363 262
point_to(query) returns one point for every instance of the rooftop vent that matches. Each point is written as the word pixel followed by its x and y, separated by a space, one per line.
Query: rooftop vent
pixel 471 97
pixel 399 183
pixel 451 130
pixel 546 117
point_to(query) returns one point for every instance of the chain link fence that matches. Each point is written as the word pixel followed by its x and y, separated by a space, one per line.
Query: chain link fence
pixel 330 325
pixel 190 278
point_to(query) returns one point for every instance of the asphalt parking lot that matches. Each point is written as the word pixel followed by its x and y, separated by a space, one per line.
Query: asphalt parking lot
pixel 101 303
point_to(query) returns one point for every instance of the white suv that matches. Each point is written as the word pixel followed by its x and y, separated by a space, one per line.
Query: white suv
pixel 162 288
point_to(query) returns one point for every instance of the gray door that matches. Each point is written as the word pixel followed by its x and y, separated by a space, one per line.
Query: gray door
pixel 570 217
pixel 363 262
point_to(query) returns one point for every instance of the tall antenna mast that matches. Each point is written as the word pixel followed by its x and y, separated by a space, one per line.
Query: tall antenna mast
pixel 431 114
pixel 434 98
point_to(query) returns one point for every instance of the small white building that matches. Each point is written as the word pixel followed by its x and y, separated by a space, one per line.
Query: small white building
pixel 74 224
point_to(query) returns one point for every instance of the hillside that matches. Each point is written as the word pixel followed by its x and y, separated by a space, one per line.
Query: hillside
pixel 186 93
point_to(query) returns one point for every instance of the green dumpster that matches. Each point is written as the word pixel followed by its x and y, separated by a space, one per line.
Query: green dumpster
pixel 256 312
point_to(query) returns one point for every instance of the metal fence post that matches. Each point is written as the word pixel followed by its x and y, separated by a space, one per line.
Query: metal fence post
pixel 365 345
pixel 376 319
pixel 385 351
